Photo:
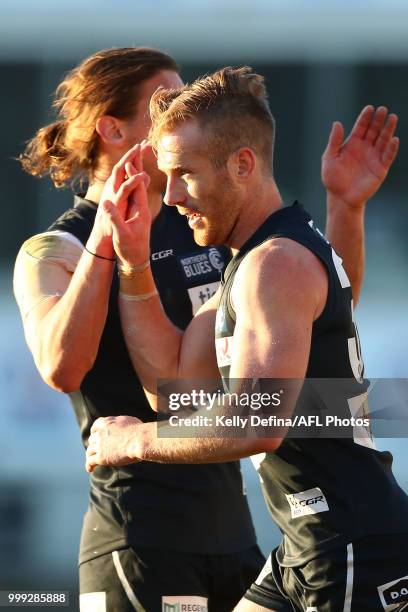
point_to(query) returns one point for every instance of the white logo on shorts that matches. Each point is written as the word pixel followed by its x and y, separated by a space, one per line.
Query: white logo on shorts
pixel 184 603
pixel 307 502
pixel 394 593
pixel 92 602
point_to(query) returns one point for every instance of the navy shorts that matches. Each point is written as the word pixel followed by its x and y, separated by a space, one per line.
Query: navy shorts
pixel 147 579
pixel 368 575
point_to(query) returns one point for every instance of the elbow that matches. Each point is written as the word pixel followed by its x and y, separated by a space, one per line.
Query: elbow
pixel 62 377
pixel 267 445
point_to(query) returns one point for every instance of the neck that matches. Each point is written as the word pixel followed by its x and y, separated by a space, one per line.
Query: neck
pixel 155 198
pixel 262 203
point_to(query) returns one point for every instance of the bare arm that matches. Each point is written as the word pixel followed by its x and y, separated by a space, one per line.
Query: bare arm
pixel 352 171
pixel 63 306
pixel 156 347
pixel 63 293
pixel 281 289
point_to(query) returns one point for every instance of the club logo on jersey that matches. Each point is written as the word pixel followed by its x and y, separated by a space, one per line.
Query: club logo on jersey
pixel 207 262
pixel 307 502
pixel 201 294
pixel 216 259
pixel 223 349
pixel 184 603
pixel 394 593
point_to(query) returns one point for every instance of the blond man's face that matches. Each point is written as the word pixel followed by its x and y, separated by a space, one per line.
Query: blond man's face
pixel 204 194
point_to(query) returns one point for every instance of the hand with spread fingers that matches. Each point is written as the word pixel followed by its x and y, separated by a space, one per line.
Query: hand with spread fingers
pixel 354 169
pixel 124 204
pixel 112 442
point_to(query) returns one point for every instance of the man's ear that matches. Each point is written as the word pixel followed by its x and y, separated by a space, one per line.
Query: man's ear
pixel 110 130
pixel 243 163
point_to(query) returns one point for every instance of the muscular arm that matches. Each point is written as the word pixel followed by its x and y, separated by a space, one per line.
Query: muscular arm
pixel 281 289
pixel 62 292
pixel 352 171
pixel 158 349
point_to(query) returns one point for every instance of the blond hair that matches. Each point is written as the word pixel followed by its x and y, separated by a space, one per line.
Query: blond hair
pixel 230 106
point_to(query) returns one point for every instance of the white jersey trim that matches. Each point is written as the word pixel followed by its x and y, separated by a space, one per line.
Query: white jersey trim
pixel 349 579
pixel 65 236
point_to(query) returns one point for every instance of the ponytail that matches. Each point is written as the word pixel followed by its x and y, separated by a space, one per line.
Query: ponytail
pixel 46 154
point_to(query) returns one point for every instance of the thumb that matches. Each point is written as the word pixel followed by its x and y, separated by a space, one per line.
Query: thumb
pixel 335 140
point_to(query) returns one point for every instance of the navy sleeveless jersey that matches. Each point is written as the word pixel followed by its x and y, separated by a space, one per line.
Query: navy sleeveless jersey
pixel 190 508
pixel 321 491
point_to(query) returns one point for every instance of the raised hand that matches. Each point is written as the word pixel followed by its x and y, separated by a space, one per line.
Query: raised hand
pixel 124 204
pixel 354 169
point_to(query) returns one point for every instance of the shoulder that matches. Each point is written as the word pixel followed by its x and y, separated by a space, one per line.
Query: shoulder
pixel 281 268
pixel 56 252
pixel 281 258
pixel 44 266
pixel 52 244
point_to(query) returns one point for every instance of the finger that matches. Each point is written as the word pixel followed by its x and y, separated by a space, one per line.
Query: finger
pixel 376 124
pixel 93 444
pixel 90 460
pixel 138 203
pixel 117 177
pixel 119 169
pixel 130 185
pixel 335 139
pixel 89 466
pixel 97 425
pixel 387 133
pixel 390 152
pixel 363 122
pixel 145 148
pixel 130 169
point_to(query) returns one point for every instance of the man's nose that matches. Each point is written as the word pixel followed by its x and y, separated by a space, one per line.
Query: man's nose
pixel 175 192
